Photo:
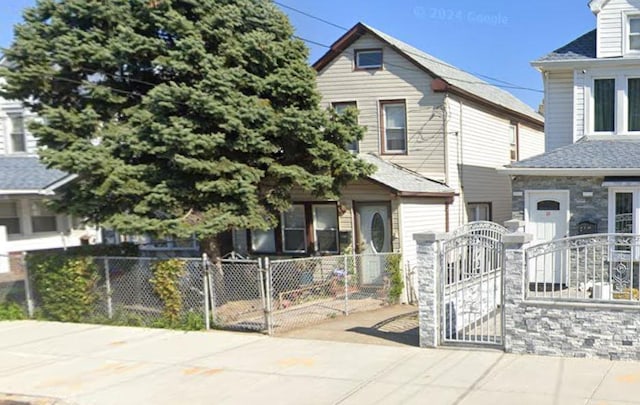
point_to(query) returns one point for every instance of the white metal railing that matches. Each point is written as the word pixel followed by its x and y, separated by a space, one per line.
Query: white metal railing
pixel 596 267
pixel 481 228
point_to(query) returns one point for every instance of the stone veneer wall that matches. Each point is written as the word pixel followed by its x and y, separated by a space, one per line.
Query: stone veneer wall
pixel 565 329
pixel 592 209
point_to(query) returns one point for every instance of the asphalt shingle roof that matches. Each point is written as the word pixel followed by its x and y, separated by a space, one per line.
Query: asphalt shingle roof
pixel 588 153
pixel 582 48
pixel 401 179
pixel 460 78
pixel 26 173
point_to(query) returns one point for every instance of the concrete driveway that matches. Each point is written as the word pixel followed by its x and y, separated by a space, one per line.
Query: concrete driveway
pixel 46 363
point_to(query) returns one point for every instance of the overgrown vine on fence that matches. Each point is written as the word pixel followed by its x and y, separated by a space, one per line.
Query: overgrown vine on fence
pixel 166 285
pixel 395 278
pixel 66 286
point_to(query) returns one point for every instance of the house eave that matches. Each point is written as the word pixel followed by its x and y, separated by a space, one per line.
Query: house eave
pixel 574 172
pixel 27 192
pixel 585 63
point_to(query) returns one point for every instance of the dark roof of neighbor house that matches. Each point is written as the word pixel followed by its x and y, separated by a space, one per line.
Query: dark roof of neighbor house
pixel 27 173
pixel 582 48
pixel 453 76
pixel 589 153
pixel 403 181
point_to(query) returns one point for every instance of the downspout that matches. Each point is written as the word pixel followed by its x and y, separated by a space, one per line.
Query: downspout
pixel 446 215
pixel 461 167
pixel 445 135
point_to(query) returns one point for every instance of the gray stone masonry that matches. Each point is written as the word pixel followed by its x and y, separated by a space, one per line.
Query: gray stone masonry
pixel 561 328
pixel 428 286
pixel 592 209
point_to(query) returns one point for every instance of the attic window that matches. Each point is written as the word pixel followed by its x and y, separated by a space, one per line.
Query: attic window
pixel 369 59
pixel 634 34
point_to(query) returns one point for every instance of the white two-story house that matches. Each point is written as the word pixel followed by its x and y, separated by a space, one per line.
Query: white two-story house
pixel 26 221
pixel 436 135
pixel 588 181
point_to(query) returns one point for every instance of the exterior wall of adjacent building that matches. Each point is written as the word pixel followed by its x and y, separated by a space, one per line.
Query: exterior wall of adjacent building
pixel 592 209
pixel 479 142
pixel 559 110
pixel 399 80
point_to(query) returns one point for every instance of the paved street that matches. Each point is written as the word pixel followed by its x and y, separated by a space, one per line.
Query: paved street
pixel 48 363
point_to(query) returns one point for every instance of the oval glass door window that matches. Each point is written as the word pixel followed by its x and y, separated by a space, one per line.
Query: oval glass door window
pixel 377 232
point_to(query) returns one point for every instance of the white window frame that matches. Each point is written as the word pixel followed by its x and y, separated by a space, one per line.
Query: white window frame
pixel 353 103
pixel 336 230
pixel 359 52
pixel 592 107
pixel 621 125
pixel 284 229
pixel 635 211
pixel 514 152
pixel 18 216
pixel 476 206
pixel 627 32
pixel 382 105
pixel 10 132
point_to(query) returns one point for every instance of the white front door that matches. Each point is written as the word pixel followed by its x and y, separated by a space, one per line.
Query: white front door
pixel 547 218
pixel 375 237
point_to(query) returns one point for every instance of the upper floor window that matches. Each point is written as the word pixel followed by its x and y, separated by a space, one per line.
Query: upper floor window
pixel 604 103
pixel 633 97
pixel 18 141
pixel 513 142
pixel 340 108
pixel 634 34
pixel 369 59
pixel 394 127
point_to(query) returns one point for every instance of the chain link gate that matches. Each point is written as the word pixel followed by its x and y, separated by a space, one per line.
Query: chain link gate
pixel 471 263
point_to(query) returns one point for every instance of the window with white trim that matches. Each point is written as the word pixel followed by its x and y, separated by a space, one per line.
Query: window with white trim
pixel 513 142
pixel 368 58
pixel 340 108
pixel 305 228
pixel 18 134
pixel 325 225
pixel 394 127
pixel 604 105
pixel 9 217
pixel 479 211
pixel 294 235
pixel 43 219
pixel 633 27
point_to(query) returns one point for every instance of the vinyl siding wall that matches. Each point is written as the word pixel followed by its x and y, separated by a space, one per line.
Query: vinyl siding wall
pixel 559 117
pixel 419 215
pixel 400 79
pixel 612 21
pixel 483 145
pixel 530 142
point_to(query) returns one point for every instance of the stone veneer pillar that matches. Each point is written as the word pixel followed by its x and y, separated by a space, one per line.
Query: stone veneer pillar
pixel 428 287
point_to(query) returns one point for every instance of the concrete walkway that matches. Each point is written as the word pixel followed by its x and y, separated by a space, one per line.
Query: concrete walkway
pixel 90 364
pixel 395 325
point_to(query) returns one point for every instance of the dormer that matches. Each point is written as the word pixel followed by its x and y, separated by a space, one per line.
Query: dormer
pixel 618 27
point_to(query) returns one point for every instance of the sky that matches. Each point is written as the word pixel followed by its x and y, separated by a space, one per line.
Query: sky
pixel 495 38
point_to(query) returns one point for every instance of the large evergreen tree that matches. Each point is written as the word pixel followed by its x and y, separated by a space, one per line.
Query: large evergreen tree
pixel 178 116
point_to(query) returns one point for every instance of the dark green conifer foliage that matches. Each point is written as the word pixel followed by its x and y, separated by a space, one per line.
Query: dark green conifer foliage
pixel 178 116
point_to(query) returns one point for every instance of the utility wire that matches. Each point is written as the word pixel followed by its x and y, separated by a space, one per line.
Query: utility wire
pixel 506 84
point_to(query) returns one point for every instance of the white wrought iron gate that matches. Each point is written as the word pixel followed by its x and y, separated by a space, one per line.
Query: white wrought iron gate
pixel 471 263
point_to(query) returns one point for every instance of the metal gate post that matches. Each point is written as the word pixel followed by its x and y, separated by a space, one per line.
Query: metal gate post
pixel 107 278
pixel 205 289
pixel 27 286
pixel 346 286
pixel 268 290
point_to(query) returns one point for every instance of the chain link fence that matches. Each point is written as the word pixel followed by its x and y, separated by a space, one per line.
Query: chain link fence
pixel 256 295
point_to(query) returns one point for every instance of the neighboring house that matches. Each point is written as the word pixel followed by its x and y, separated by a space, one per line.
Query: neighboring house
pixel 588 181
pixel 436 135
pixel 26 222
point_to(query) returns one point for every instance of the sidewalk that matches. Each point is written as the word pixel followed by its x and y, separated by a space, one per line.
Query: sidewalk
pixel 91 364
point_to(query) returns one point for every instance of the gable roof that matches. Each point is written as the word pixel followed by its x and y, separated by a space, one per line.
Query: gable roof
pixel 27 175
pixel 582 48
pixel 458 81
pixel 595 153
pixel 403 181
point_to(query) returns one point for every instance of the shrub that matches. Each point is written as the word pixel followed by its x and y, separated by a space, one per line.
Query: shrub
pixel 66 286
pixel 11 311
